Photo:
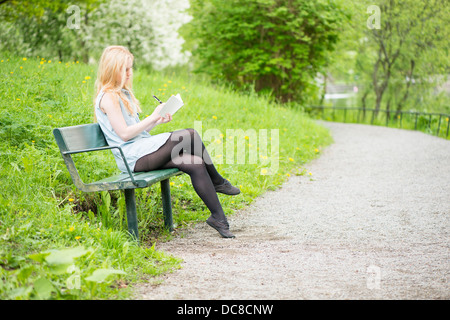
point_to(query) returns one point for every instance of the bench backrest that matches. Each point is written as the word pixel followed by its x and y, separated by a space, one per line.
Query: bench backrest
pixel 78 138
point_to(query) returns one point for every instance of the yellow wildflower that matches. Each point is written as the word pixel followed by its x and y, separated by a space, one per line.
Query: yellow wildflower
pixel 77 238
pixel 263 171
pixel 290 159
pixel 214 117
pixel 71 229
pixel 49 61
pixel 87 77
pixel 316 150
pixel 24 59
pixel 71 199
pixel 42 62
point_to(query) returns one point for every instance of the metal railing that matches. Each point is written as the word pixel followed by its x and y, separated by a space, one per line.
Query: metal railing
pixel 424 121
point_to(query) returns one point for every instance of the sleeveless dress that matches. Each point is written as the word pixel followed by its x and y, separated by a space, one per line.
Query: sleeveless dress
pixel 135 148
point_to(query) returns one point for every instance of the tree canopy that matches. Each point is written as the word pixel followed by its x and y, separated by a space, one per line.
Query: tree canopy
pixel 275 46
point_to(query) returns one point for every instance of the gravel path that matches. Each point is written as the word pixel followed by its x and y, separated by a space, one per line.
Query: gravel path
pixel 372 222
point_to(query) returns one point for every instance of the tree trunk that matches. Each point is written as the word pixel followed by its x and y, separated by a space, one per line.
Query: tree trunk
pixel 408 85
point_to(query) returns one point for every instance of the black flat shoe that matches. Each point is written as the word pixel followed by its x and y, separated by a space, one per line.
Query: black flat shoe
pixel 227 188
pixel 221 226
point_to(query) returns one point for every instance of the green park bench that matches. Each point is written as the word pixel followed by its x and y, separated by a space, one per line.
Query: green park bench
pixel 88 138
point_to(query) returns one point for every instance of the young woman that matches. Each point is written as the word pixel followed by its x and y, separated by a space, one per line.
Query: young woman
pixel 117 112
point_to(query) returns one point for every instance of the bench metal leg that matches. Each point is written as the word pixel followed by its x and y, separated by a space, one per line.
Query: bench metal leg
pixel 167 204
pixel 130 201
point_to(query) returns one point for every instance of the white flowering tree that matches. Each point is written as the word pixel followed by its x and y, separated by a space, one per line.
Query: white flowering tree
pixel 149 28
pixel 82 29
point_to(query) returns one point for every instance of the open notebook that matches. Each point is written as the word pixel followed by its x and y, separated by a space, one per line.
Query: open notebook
pixel 172 105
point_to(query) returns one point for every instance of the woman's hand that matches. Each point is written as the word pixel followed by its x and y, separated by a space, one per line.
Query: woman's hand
pixel 157 117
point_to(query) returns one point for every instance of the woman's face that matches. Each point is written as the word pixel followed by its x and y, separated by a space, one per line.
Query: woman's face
pixel 128 72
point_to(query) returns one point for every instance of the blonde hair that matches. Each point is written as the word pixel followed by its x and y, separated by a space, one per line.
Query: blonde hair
pixel 113 62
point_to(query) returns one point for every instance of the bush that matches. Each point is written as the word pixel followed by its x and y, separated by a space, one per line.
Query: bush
pixel 276 46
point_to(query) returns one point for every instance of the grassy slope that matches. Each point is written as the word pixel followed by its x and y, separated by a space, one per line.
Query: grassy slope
pixel 41 210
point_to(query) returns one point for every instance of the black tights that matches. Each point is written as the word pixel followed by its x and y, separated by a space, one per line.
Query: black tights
pixel 190 156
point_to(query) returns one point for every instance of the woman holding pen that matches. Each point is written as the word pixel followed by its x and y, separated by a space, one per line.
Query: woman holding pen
pixel 117 112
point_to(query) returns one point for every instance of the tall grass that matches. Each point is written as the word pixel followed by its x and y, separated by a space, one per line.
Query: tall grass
pixel 59 243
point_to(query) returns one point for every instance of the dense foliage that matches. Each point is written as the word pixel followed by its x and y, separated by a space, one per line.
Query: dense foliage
pixel 276 46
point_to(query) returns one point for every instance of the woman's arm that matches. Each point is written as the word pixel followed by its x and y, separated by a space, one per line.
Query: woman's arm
pixel 110 105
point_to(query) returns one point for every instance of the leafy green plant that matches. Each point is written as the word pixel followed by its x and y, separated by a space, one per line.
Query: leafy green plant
pixel 275 46
pixel 61 275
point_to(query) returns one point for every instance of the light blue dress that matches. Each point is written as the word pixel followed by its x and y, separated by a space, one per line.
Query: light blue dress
pixel 135 148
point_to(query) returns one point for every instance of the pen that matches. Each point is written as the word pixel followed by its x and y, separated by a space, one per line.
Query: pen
pixel 157 99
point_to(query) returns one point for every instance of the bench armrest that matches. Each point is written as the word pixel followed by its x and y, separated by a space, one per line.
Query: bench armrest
pixel 107 148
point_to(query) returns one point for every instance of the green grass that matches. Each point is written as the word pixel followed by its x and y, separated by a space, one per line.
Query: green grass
pixel 59 243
